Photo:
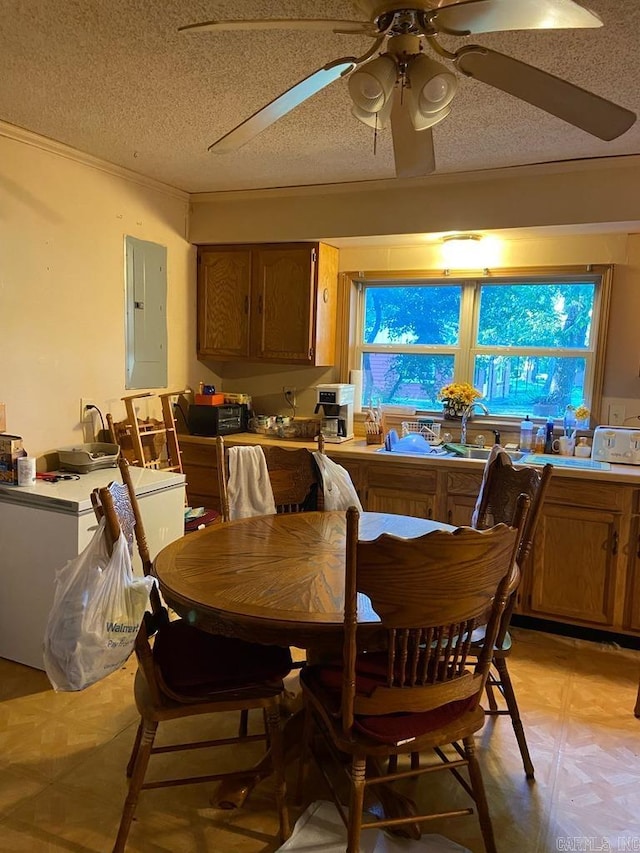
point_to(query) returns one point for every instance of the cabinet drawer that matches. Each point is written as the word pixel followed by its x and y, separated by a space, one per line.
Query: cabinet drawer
pixel 581 492
pixel 202 455
pixel 409 479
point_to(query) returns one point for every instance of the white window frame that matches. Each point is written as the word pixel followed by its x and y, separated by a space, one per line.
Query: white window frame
pixel 468 348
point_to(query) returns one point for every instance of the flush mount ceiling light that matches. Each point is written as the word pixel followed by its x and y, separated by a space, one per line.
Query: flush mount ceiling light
pixel 462 251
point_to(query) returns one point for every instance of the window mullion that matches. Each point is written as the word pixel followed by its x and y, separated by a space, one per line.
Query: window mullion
pixel 468 333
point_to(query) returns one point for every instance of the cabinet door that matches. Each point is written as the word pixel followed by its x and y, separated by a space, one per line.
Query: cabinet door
pixel 632 617
pixel 401 490
pixel 574 565
pixel 283 303
pixel 201 473
pixel 400 502
pixel 224 282
pixel 460 509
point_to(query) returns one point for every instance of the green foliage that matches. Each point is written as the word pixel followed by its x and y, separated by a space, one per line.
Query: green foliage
pixel 530 315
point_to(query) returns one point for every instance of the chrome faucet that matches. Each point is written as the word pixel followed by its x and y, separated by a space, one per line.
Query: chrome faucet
pixel 465 416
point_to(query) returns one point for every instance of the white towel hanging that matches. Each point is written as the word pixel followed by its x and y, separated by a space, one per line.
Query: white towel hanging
pixel 249 487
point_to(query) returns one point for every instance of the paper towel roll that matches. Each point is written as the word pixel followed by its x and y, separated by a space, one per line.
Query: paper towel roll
pixel 355 378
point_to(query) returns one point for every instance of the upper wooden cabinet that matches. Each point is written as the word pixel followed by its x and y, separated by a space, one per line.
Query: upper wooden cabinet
pixel 271 302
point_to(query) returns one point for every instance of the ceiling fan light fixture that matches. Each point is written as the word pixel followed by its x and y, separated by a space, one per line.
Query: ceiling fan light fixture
pixel 421 121
pixel 431 85
pixel 379 120
pixel 371 86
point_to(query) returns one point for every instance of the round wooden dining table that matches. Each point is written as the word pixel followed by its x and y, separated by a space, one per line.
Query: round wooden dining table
pixel 273 579
pixel 277 579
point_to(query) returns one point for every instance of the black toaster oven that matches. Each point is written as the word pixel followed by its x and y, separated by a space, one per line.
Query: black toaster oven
pixel 217 420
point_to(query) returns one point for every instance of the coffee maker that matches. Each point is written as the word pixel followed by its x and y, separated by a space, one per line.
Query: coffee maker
pixel 337 403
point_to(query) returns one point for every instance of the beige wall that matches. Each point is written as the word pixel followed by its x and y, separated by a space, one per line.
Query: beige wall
pixel 63 220
pixel 601 198
pixel 597 191
pixel 64 216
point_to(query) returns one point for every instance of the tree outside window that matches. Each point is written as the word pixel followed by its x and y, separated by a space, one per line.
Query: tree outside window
pixel 528 345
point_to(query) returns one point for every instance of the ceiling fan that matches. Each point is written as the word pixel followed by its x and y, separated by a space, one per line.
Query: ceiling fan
pixel 409 89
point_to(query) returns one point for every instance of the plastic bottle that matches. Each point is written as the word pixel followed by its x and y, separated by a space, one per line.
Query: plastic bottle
pixel 526 434
pixel 569 421
pixel 548 437
pixel 538 446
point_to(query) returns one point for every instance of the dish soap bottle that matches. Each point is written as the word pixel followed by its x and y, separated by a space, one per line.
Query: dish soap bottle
pixel 526 434
pixel 538 446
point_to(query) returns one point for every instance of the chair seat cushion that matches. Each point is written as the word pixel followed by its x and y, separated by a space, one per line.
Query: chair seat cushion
pixel 325 682
pixel 190 658
pixel 209 517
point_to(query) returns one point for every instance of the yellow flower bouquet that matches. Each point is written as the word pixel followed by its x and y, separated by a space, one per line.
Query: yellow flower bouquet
pixel 456 396
pixel 583 416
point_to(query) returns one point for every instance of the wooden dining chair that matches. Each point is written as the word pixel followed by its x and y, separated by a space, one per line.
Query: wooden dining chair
pixel 497 502
pixel 292 473
pixel 188 672
pixel 420 692
pixel 295 482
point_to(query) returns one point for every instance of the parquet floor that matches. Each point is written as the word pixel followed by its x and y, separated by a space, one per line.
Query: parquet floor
pixel 62 760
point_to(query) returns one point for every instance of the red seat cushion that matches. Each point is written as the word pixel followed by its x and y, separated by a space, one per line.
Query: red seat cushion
pixel 189 658
pixel 209 516
pixel 371 672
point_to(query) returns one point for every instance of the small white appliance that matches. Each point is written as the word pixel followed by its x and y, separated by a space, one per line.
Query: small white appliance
pixel 337 403
pixel 616 444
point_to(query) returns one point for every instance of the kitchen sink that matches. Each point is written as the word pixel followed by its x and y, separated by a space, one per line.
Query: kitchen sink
pixel 465 451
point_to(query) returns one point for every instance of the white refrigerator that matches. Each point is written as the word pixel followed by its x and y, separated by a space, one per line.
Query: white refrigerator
pixel 44 526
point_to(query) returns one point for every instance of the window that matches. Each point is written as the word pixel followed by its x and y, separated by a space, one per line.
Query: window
pixel 530 344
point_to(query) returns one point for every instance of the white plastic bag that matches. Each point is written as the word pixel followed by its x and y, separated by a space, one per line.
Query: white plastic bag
pixel 337 486
pixel 97 610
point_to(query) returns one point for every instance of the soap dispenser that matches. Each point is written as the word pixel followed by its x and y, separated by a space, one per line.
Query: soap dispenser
pixel 548 436
pixel 526 434
pixel 538 446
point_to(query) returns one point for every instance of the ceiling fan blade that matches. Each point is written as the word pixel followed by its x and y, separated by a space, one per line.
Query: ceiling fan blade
pixel 283 104
pixel 489 16
pixel 312 24
pixel 412 149
pixel 577 106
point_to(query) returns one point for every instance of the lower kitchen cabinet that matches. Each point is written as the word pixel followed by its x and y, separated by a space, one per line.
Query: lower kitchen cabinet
pixel 575 565
pixel 200 467
pixel 403 491
pixel 583 570
pixel 632 615
pixel 462 490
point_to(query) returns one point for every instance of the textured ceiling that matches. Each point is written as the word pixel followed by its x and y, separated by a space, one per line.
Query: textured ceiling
pixel 115 79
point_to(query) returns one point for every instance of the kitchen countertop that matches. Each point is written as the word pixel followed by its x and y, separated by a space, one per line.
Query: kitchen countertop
pixel 358 449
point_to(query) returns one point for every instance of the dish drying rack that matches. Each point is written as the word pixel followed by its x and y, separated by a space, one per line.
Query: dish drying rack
pixel 430 432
